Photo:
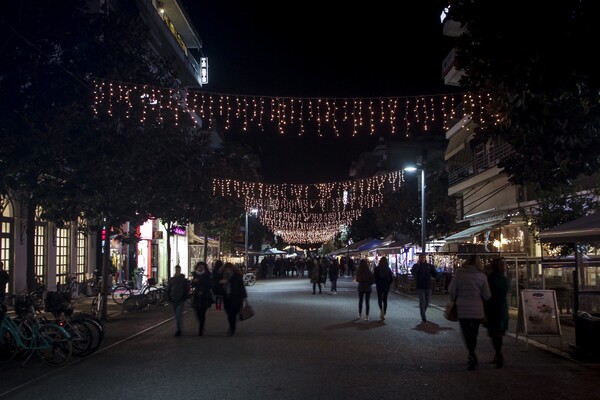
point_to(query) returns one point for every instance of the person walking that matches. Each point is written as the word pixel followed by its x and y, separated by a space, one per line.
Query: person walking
pixel 315 274
pixel 334 273
pixel 4 279
pixel 383 281
pixel 202 295
pixel 178 292
pixel 234 293
pixel 323 270
pixel 496 308
pixel 469 287
pixel 364 277
pixel 423 272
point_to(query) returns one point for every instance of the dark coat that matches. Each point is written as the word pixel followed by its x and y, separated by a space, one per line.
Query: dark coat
pixel 334 271
pixel 383 278
pixel 365 280
pixel 202 285
pixel 217 288
pixel 423 272
pixel 178 288
pixel 234 293
pixel 496 308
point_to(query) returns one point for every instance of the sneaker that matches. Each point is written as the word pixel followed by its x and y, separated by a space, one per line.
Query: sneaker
pixel 381 315
pixel 359 315
pixel 366 318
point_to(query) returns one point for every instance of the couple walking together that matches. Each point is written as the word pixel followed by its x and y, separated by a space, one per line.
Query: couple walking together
pixel 382 277
pixel 226 282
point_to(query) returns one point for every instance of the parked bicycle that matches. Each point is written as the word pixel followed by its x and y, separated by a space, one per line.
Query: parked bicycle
pixel 86 331
pixel 50 342
pixel 149 290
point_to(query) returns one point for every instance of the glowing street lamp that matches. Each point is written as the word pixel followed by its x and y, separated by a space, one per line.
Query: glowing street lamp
pixel 423 220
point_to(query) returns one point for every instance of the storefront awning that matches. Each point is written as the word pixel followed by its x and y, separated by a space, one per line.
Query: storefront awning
pixel 582 230
pixel 396 247
pixel 469 233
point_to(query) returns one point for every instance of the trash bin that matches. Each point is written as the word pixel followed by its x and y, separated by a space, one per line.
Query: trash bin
pixel 139 280
pixel 587 332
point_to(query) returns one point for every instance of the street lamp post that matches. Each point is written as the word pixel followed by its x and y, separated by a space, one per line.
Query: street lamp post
pixel 423 220
pixel 247 259
pixel 246 242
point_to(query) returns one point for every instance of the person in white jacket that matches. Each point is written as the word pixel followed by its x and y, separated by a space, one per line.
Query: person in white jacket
pixel 469 288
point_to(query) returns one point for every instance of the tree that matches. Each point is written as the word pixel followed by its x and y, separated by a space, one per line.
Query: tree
pixel 57 155
pixel 535 61
pixel 554 208
pixel 41 111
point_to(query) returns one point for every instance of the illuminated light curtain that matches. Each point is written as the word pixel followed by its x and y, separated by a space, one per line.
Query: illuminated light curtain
pixel 398 115
pixel 360 188
pixel 309 213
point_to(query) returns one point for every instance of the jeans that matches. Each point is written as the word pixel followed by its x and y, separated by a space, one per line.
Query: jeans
pixel 423 301
pixel 470 330
pixel 201 315
pixel 333 285
pixel 315 287
pixel 382 300
pixel 178 309
pixel 366 296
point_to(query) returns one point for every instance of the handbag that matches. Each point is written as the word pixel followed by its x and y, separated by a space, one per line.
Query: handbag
pixel 246 312
pixel 450 311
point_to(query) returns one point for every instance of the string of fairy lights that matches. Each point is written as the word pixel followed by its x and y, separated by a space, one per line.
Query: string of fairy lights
pixel 309 213
pixel 396 115
pixel 299 213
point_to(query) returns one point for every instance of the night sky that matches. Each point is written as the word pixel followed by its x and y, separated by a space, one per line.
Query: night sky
pixel 308 50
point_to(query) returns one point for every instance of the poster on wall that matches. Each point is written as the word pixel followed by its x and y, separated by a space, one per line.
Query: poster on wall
pixel 538 313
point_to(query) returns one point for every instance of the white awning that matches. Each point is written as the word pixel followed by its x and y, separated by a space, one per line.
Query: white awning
pixel 469 233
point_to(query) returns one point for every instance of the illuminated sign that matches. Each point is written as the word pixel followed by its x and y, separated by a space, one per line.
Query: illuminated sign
pixel 179 230
pixel 204 70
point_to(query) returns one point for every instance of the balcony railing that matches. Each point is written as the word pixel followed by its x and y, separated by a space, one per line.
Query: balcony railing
pixel 481 162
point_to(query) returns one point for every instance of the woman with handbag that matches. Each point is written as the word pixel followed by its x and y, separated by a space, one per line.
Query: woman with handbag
pixel 234 293
pixel 202 295
pixel 470 289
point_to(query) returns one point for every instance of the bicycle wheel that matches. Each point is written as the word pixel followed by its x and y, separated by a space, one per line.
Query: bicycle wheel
pixel 96 310
pixel 249 279
pixel 53 344
pixel 8 345
pixel 121 293
pixel 81 336
pixel 96 333
pixel 152 295
pixel 161 294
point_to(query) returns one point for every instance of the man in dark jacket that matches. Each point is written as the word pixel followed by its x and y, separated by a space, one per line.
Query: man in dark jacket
pixel 178 292
pixel 423 272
